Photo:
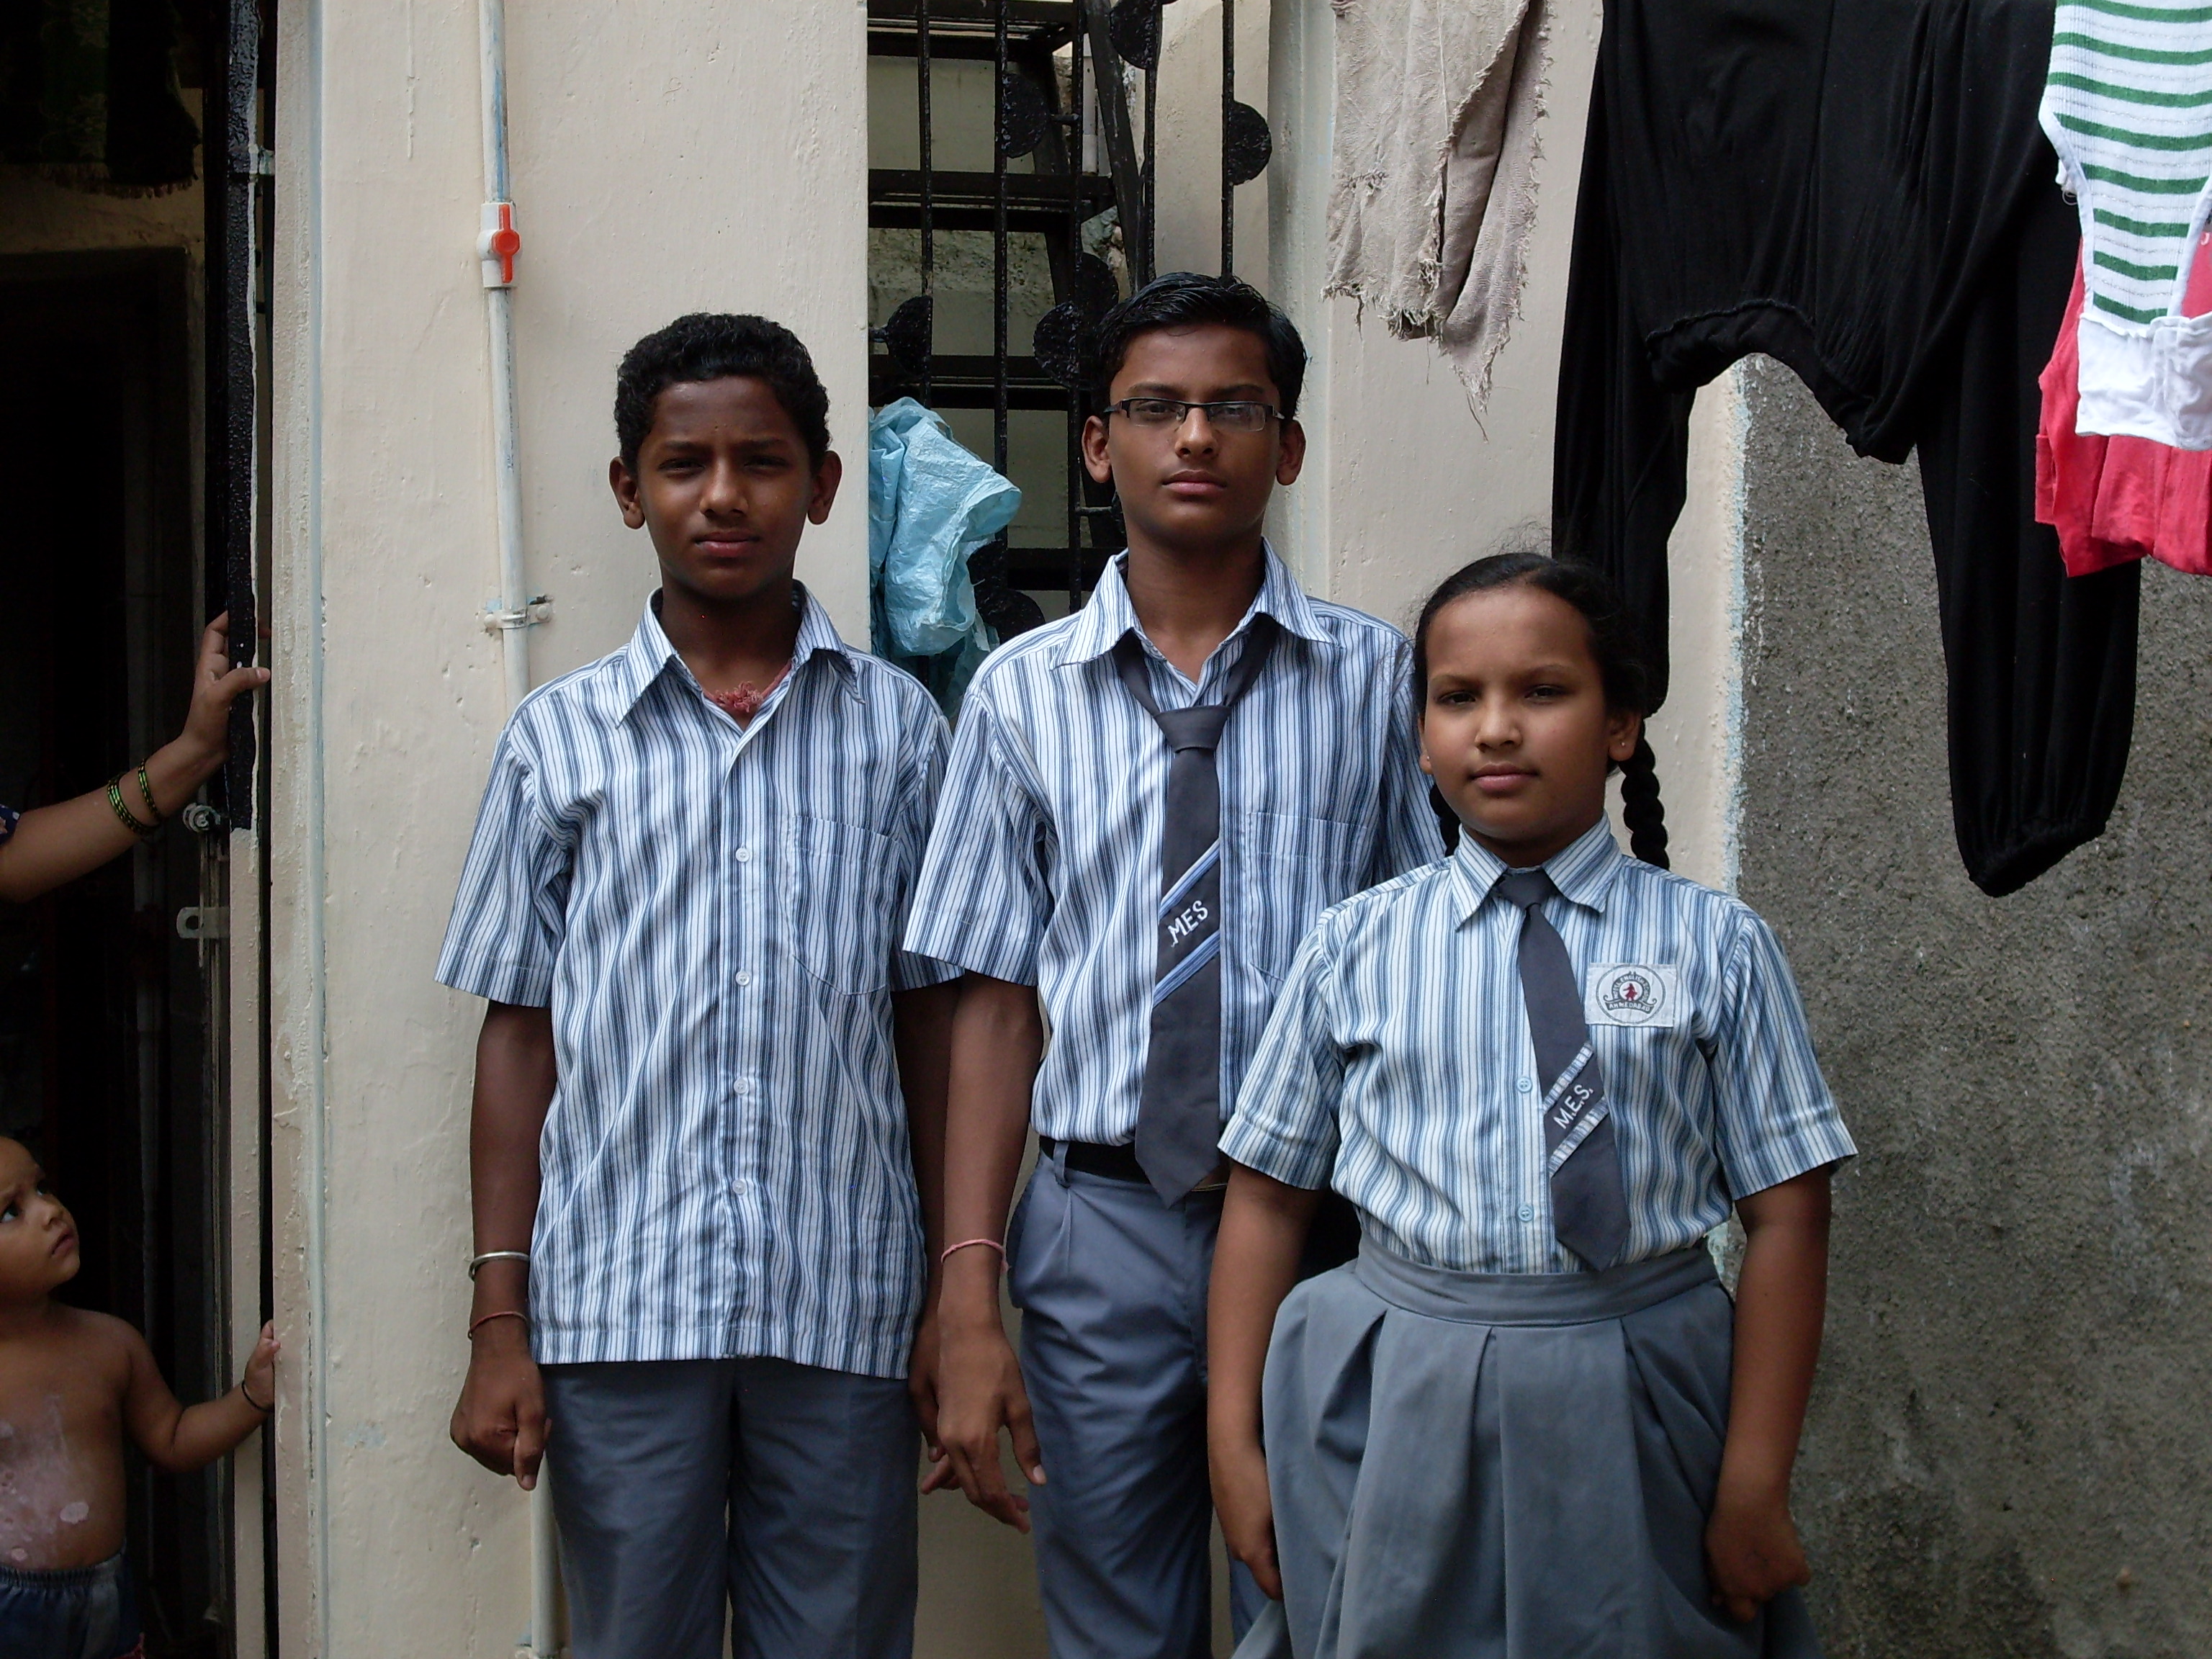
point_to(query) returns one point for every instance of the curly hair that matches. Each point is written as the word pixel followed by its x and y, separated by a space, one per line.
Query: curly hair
pixel 709 345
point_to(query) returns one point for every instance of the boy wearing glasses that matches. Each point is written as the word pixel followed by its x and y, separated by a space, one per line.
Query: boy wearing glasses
pixel 1155 797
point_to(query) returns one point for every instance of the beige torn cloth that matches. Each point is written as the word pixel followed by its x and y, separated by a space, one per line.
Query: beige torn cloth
pixel 1435 188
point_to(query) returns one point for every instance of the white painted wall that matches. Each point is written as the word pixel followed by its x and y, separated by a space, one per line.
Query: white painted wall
pixel 666 159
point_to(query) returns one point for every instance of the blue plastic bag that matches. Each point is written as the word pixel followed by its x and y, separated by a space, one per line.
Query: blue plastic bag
pixel 931 504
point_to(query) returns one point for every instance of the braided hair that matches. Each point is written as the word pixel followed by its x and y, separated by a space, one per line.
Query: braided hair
pixel 1613 644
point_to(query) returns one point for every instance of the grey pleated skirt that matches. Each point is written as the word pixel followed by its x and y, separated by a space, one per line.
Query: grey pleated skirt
pixel 1493 1466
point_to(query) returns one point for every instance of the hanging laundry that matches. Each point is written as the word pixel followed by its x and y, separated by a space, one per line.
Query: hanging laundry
pixel 2113 499
pixel 1434 192
pixel 2128 108
pixel 1857 188
pixel 931 505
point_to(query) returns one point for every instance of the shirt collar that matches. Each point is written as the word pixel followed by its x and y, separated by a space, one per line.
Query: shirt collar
pixel 642 662
pixel 1582 872
pixel 1101 624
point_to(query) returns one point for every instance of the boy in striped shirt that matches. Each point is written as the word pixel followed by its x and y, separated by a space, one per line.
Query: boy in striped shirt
pixel 709 1090
pixel 1154 797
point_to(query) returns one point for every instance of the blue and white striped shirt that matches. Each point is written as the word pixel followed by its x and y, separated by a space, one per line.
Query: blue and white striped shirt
pixel 713 914
pixel 1044 869
pixel 1398 1057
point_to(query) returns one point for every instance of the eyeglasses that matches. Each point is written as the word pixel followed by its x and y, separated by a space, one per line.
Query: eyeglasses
pixel 1233 417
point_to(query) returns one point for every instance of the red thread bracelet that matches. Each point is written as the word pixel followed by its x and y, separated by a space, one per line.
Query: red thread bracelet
pixel 504 1313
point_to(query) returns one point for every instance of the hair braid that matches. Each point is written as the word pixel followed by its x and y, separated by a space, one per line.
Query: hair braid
pixel 1640 807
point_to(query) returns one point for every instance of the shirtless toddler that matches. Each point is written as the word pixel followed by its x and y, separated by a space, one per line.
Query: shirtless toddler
pixel 72 1384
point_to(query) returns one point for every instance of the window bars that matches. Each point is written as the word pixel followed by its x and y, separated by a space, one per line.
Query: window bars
pixel 1063 71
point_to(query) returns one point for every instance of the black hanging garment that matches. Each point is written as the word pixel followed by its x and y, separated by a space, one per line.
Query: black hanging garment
pixel 1859 189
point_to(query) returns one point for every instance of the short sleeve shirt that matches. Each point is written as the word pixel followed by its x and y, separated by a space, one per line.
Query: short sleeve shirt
pixel 1044 869
pixel 1398 1065
pixel 713 914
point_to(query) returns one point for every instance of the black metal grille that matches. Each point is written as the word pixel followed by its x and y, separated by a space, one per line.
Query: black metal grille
pixel 1060 100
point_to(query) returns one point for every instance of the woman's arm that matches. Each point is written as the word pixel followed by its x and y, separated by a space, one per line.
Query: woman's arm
pixel 1255 1262
pixel 1751 1549
pixel 58 843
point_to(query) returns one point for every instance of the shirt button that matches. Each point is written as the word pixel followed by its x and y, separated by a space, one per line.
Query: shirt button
pixel 745 1086
pixel 740 1189
pixel 1528 1212
pixel 1524 1084
pixel 743 978
pixel 744 856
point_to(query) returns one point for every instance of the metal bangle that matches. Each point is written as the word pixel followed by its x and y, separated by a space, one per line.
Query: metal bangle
pixel 496 1255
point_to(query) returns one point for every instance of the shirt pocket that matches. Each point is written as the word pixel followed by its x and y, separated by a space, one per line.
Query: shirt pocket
pixel 1296 867
pixel 837 919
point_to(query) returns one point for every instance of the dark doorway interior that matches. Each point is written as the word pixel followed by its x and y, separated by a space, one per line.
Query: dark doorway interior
pixel 106 1064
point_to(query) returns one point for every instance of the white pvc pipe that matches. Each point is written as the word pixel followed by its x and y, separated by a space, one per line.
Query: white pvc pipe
pixel 512 615
pixel 511 610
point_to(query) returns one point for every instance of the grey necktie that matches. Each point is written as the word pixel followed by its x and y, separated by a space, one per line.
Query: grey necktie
pixel 1589 1207
pixel 1179 1111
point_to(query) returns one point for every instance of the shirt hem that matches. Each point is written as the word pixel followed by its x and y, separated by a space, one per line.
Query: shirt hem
pixel 879 1356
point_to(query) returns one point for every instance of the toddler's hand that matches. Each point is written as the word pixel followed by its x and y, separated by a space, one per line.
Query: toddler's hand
pixel 1752 1553
pixel 260 1380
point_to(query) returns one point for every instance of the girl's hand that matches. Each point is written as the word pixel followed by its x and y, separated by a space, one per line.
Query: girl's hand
pixel 1752 1552
pixel 216 686
pixel 922 1384
pixel 260 1380
pixel 1246 1509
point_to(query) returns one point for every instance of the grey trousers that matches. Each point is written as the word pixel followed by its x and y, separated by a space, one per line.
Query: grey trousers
pixel 1112 1285
pixel 785 1492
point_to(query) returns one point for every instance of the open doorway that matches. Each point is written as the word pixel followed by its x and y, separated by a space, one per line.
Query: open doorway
pixel 109 1067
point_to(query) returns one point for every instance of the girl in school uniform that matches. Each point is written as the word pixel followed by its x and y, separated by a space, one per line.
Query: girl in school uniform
pixel 1526 1421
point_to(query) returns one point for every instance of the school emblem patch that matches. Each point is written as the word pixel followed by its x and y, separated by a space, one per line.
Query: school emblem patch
pixel 1632 994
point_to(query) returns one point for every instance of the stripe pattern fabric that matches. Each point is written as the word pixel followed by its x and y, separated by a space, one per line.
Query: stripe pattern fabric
pixel 2128 106
pixel 1045 869
pixel 1398 1066
pixel 713 914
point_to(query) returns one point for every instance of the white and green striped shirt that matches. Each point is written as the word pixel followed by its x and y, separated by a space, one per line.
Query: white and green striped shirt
pixel 2128 106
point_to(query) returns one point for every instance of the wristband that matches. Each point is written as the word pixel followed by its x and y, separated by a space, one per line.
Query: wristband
pixel 969 1244
pixel 476 1262
pixel 246 1395
pixel 504 1313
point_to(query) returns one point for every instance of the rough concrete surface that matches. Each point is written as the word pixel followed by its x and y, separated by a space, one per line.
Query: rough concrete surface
pixel 2010 1446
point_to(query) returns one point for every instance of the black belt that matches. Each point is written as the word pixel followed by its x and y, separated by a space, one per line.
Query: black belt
pixel 1093 1158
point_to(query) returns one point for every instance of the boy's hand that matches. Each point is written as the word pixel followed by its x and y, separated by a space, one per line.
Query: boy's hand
pixel 216 686
pixel 1752 1552
pixel 921 1384
pixel 979 1388
pixel 260 1379
pixel 1247 1510
pixel 500 1420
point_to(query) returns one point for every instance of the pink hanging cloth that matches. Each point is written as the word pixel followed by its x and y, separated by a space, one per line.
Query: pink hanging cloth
pixel 2113 500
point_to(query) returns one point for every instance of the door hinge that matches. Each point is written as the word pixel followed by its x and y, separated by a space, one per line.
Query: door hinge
pixel 204 922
